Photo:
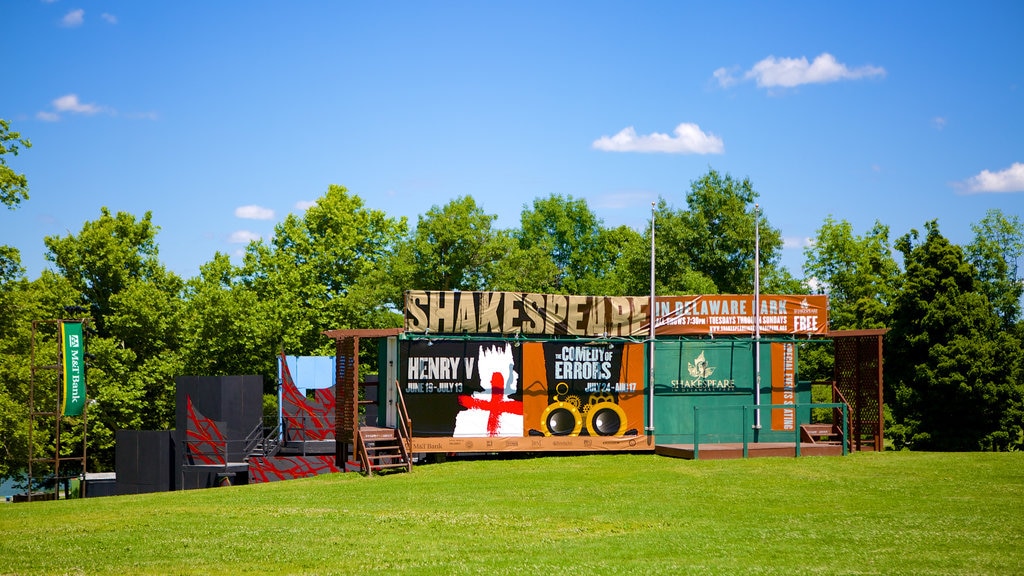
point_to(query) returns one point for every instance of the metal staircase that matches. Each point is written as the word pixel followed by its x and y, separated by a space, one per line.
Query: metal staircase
pixel 263 442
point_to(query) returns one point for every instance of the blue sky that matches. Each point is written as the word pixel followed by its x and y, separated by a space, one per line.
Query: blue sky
pixel 223 117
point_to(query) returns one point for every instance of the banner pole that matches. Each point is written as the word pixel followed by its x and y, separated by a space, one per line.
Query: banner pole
pixel 757 319
pixel 651 336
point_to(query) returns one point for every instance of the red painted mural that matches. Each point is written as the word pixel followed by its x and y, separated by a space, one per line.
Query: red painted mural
pixel 203 440
pixel 277 468
pixel 306 419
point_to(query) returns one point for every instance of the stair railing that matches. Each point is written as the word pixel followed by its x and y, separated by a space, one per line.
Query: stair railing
pixel 837 415
pixel 362 455
pixel 403 427
pixel 253 442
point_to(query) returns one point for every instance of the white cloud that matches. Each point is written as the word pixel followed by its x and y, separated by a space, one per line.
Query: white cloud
pixel 253 212
pixel 305 204
pixel 689 139
pixel 939 122
pixel 816 286
pixel 790 72
pixel 725 77
pixel 1009 180
pixel 791 242
pixel 73 19
pixel 70 103
pixel 110 18
pixel 243 237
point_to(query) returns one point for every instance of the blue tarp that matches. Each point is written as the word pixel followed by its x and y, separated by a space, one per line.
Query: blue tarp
pixel 310 372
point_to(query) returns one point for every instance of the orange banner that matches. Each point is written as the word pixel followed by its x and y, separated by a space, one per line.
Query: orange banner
pixel 533 444
pixel 733 314
pixel 580 389
pixel 783 385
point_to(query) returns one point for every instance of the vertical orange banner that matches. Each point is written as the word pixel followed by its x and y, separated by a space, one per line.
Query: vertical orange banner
pixel 783 385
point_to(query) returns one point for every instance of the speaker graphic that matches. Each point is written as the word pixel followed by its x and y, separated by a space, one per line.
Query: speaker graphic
pixel 606 419
pixel 567 415
pixel 561 417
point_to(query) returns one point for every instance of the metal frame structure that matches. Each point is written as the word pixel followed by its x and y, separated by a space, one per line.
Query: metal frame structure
pixel 55 414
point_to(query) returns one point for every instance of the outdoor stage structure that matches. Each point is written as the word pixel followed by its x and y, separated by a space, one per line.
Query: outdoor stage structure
pixel 221 437
pixel 492 372
pixel 508 372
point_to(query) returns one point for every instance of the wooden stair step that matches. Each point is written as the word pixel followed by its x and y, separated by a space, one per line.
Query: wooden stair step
pixel 820 434
pixel 382 449
pixel 391 465
pixel 376 434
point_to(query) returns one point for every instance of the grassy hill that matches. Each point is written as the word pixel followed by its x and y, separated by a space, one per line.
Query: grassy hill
pixel 889 513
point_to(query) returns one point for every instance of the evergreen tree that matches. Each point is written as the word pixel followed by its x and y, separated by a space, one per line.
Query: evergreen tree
pixel 952 374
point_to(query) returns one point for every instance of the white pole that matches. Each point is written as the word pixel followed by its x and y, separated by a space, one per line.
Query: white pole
pixel 757 316
pixel 650 355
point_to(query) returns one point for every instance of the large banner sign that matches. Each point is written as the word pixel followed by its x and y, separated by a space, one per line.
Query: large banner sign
pixel 733 314
pixel 463 388
pixel 528 314
pixel 583 389
pixel 526 396
pixel 783 385
pixel 73 368
pixel 720 366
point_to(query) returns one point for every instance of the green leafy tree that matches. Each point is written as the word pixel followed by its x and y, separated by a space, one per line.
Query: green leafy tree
pixel 452 248
pixel 709 247
pixel 226 328
pixel 860 277
pixel 953 376
pixel 17 309
pixel 105 257
pixel 720 223
pixel 858 273
pixel 329 269
pixel 576 241
pixel 13 186
pixel 674 272
pixel 519 269
pixel 22 302
pixel 135 305
pixel 11 272
pixel 996 252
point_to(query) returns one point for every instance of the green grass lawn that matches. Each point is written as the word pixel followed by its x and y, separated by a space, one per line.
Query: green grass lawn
pixel 888 513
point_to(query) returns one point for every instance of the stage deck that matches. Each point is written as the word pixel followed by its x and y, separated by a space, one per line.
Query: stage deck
pixel 754 450
pixel 307 447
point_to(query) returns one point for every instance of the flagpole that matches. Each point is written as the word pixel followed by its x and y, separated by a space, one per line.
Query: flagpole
pixel 651 335
pixel 757 318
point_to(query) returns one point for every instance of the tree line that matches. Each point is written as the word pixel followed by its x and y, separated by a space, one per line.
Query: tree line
pixel 954 359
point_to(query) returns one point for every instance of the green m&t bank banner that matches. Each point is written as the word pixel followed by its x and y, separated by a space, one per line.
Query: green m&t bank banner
pixel 73 368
